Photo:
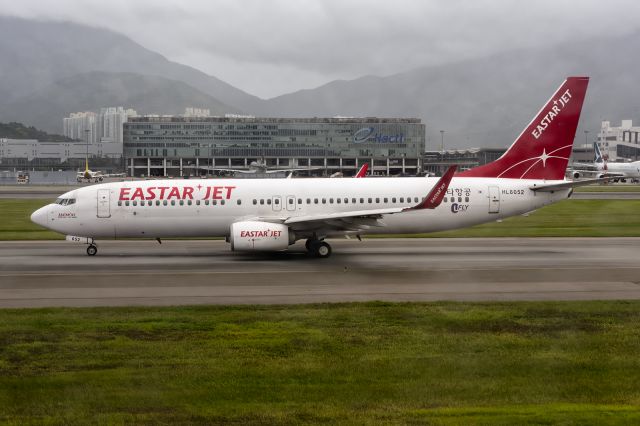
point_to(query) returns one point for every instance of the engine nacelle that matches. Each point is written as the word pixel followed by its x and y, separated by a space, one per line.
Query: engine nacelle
pixel 576 175
pixel 260 236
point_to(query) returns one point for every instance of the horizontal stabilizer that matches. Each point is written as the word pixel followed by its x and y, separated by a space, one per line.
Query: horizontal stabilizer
pixel 566 185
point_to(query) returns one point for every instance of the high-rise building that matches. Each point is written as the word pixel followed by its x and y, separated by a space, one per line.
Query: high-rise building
pixel 110 121
pixel 81 126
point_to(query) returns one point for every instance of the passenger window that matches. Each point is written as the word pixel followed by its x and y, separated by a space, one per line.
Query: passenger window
pixel 466 199
pixel 222 202
pixel 182 202
pixel 255 202
pixel 126 203
pixel 393 200
pixel 346 200
pixel 197 202
pixel 386 200
pixel 189 202
pixel 291 201
pixel 315 201
pixel 239 202
pixel 135 203
pixel 338 200
pixel 268 201
pixel 353 201
pixel 206 202
pixel 119 203
pixel 308 200
pixel 445 199
pixel 459 199
pixel 214 202
pixel 262 201
pixel 299 200
pixel 361 200
pixel 370 200
pixel 164 202
pixel 415 199
pixel 402 199
pixel 276 201
pixel 173 202
pixel 377 200
pixel 330 200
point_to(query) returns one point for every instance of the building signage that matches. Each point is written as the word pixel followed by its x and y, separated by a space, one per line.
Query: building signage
pixel 369 134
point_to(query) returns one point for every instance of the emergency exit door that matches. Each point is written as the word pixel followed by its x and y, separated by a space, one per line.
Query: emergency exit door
pixel 104 203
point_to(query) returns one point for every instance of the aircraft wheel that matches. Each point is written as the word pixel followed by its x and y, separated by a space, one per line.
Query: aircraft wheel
pixel 92 250
pixel 322 250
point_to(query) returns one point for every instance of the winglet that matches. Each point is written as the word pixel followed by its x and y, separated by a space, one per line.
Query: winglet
pixel 363 171
pixel 437 193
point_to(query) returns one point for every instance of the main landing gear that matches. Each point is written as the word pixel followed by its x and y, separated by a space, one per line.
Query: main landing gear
pixel 92 250
pixel 318 248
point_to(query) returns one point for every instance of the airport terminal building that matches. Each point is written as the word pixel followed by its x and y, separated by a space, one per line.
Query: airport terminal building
pixel 199 146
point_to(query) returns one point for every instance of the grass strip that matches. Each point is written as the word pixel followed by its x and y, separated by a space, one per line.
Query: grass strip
pixel 365 363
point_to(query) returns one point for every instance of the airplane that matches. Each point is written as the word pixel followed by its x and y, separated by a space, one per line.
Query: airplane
pixel 94 176
pixel 264 215
pixel 260 167
pixel 602 168
pixel 362 172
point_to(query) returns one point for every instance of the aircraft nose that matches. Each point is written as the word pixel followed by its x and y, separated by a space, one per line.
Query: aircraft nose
pixel 39 217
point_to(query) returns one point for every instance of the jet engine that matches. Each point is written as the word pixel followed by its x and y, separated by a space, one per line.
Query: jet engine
pixel 576 175
pixel 260 236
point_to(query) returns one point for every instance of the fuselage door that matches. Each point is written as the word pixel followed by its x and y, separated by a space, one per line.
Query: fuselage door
pixel 291 203
pixel 276 203
pixel 104 203
pixel 494 199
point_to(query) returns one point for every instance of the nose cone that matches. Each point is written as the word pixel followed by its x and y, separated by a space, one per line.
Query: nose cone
pixel 39 217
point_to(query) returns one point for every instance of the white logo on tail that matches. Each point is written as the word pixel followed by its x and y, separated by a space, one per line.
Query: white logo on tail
pixel 558 106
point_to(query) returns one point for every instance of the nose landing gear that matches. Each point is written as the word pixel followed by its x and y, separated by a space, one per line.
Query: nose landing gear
pixel 92 250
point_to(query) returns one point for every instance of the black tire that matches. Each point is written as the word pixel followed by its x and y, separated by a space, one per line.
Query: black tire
pixel 92 250
pixel 322 250
pixel 309 244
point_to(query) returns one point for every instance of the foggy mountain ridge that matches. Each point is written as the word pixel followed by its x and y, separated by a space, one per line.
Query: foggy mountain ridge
pixel 89 91
pixel 479 102
pixel 487 101
pixel 36 54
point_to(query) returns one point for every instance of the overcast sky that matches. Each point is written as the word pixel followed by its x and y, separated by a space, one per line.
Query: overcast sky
pixel 272 47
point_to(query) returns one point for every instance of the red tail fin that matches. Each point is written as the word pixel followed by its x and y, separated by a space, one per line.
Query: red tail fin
pixel 542 150
pixel 363 171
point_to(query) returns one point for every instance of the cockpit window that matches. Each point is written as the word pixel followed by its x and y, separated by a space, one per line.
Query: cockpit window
pixel 65 201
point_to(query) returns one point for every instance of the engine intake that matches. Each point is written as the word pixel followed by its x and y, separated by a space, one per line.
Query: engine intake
pixel 260 236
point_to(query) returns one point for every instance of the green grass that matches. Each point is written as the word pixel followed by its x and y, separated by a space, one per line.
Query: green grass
pixel 15 223
pixel 609 188
pixel 571 218
pixel 371 363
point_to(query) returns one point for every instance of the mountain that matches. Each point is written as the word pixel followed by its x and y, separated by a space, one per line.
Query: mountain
pixel 15 130
pixel 36 54
pixel 487 101
pixel 84 92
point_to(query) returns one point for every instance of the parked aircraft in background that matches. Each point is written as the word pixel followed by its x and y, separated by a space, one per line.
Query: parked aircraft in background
pixel 94 176
pixel 602 168
pixel 270 215
pixel 260 167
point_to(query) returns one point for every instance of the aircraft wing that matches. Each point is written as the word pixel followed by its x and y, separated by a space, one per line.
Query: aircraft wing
pixel 567 184
pixel 358 220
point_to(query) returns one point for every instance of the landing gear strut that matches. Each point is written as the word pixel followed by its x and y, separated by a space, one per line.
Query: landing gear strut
pixel 92 250
pixel 318 248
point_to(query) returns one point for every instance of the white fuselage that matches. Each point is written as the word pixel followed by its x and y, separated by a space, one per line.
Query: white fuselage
pixel 625 170
pixel 208 208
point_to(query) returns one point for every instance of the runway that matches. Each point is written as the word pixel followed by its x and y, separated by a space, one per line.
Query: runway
pixel 58 273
